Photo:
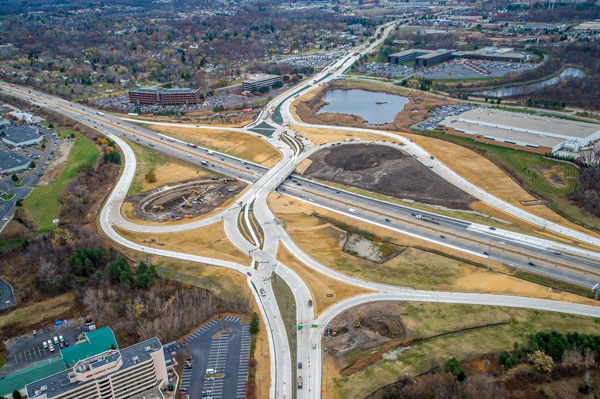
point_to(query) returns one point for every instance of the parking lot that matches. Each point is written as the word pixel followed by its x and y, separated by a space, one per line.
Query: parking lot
pixel 218 354
pixel 387 70
pixel 27 349
pixel 29 177
pixel 473 69
pixel 441 113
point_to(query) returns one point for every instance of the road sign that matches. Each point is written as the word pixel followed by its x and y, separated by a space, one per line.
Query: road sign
pixel 300 327
pixel 314 326
pixel 55 221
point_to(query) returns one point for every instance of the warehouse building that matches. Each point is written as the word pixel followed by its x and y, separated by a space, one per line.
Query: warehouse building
pixel 521 131
pixel 114 374
pixel 11 162
pixel 21 135
pixel 421 57
pixel 152 96
pixel 493 54
pixel 255 82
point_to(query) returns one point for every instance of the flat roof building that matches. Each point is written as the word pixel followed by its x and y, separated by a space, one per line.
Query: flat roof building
pixel 152 96
pixel 114 374
pixel 255 82
pixel 21 135
pixel 421 57
pixel 492 54
pixel 94 342
pixel 20 378
pixel 517 130
pixel 11 162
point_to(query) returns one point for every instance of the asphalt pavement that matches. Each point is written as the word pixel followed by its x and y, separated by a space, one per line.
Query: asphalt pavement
pixel 221 348
pixel 7 298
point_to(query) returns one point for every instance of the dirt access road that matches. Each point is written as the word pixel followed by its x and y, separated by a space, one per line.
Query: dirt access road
pixel 387 171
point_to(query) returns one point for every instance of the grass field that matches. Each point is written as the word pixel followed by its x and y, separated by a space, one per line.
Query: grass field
pixel 42 204
pixel 428 319
pixel 423 265
pixel 209 241
pixel 38 312
pixel 287 308
pixel 242 145
pixel 488 168
pixel 166 170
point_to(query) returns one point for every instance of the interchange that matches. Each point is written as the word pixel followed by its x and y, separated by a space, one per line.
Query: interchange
pixel 264 259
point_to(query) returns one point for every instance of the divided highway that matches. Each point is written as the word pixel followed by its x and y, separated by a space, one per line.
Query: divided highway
pixel 576 265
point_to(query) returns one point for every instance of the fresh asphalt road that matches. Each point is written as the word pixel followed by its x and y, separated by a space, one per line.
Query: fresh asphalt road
pixel 455 234
pixel 226 354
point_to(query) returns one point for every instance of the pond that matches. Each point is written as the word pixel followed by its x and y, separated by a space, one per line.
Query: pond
pixel 530 88
pixel 375 108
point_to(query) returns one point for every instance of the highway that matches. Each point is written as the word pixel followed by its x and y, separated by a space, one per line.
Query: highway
pixel 465 236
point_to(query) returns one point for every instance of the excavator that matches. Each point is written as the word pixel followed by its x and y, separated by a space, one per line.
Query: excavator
pixel 196 191
pixel 158 207
pixel 357 321
pixel 187 203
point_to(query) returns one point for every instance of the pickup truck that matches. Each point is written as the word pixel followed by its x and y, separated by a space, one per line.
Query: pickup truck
pixel 299 382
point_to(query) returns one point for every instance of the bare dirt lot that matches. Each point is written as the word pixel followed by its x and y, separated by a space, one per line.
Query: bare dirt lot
pixel 387 171
pixel 185 200
pixel 380 322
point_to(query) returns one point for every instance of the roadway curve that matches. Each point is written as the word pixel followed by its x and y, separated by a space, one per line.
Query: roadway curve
pixel 264 259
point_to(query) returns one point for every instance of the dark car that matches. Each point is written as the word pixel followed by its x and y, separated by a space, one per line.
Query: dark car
pixel 387 220
pixel 531 264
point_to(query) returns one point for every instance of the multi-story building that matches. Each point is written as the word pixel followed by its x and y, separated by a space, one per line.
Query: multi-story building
pixel 114 374
pixel 257 81
pixel 151 96
pixel 421 57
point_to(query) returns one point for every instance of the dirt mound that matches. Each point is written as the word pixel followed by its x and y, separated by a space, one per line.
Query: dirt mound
pixel 385 170
pixel 361 157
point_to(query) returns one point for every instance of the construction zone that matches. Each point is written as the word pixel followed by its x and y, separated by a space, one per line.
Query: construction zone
pixel 186 200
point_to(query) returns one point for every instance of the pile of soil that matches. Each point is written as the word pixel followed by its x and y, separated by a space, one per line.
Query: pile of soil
pixel 385 170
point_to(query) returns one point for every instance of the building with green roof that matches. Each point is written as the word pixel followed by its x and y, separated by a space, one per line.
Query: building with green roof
pixel 95 342
pixel 20 378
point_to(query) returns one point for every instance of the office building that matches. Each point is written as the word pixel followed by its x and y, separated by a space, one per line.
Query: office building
pixel 493 54
pixel 255 82
pixel 21 135
pixel 421 57
pixel 113 374
pixel 152 96
pixel 521 131
pixel 11 162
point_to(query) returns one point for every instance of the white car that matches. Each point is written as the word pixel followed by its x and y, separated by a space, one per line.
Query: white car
pixel 352 210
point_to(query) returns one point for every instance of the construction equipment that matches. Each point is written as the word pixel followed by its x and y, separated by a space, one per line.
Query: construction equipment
pixel 196 191
pixel 357 321
pixel 159 207
pixel 187 203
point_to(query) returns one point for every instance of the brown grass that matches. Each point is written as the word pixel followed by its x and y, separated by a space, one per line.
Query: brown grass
pixel 486 175
pixel 174 173
pixel 37 313
pixel 209 241
pixel 263 365
pixel 242 145
pixel 415 267
pixel 319 284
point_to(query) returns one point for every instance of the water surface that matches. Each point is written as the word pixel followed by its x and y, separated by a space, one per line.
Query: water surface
pixel 364 103
pixel 530 88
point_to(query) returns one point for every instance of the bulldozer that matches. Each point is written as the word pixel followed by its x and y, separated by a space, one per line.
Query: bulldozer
pixel 187 203
pixel 357 321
